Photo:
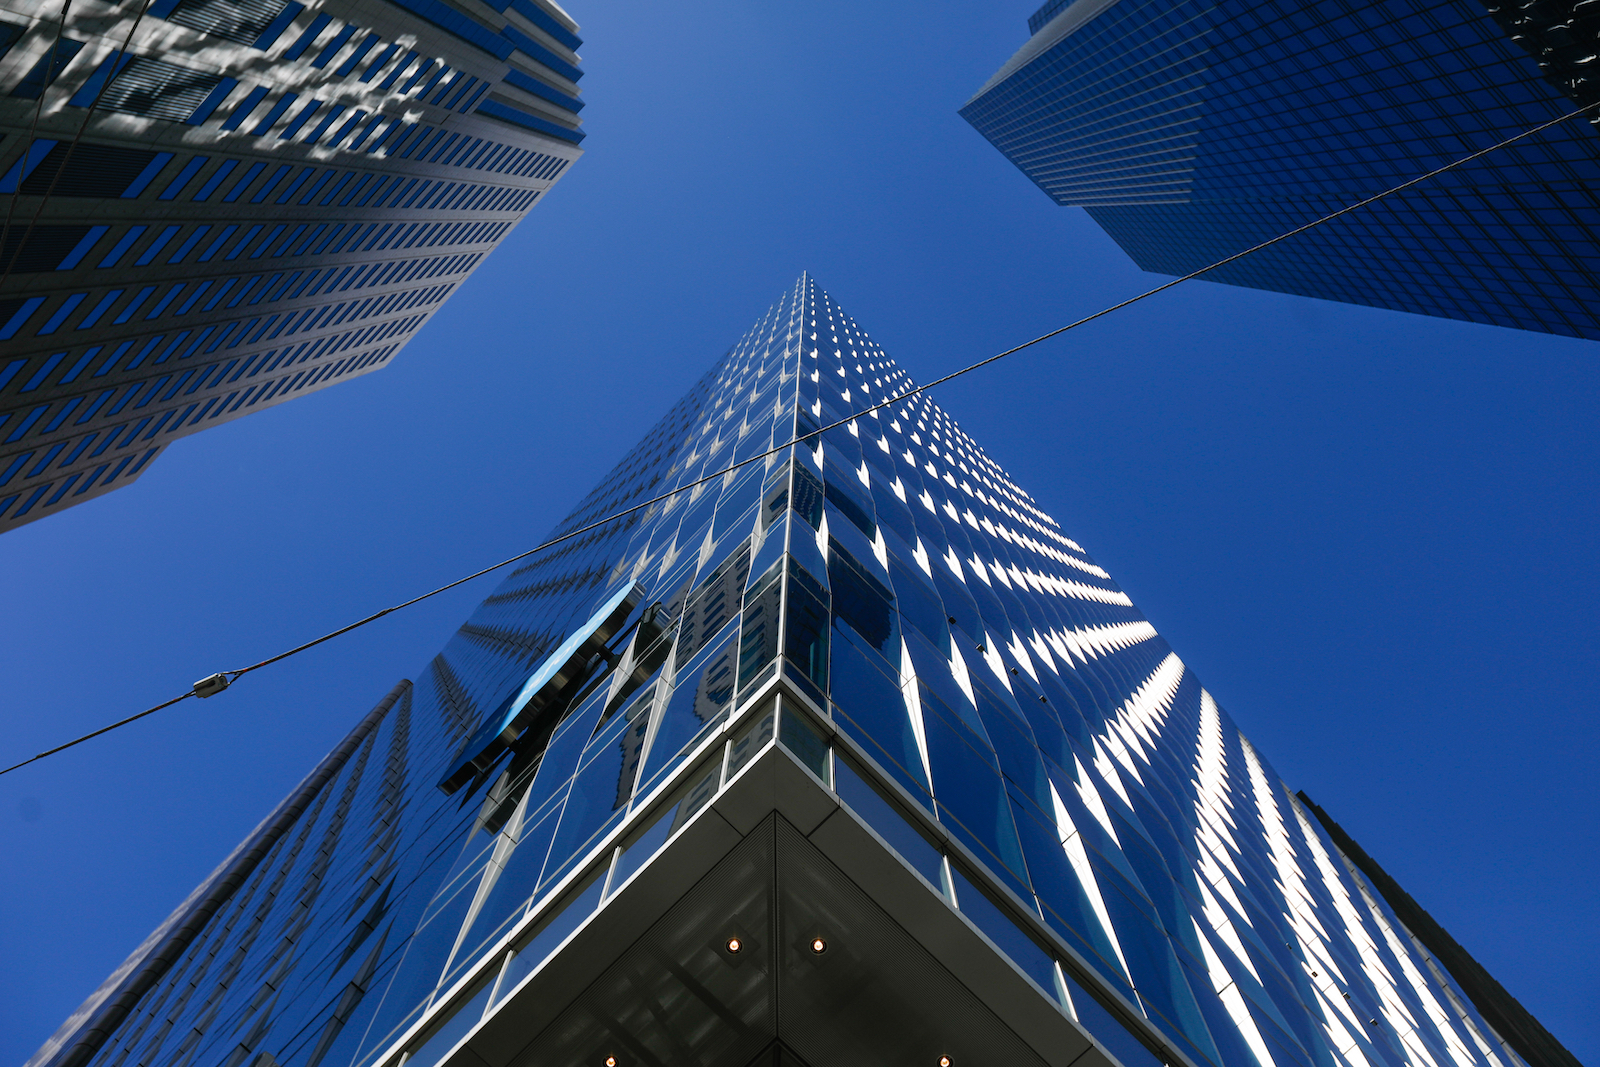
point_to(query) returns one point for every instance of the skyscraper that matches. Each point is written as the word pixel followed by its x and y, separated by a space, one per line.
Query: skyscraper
pixel 846 756
pixel 213 206
pixel 1191 130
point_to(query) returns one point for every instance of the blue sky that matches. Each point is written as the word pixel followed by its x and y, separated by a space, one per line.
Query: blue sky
pixel 1372 535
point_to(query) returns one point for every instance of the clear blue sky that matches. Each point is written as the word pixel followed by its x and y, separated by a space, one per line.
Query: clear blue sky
pixel 1372 535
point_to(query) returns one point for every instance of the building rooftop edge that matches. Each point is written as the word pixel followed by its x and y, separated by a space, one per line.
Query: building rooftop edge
pixel 1514 1023
pixel 89 1027
pixel 1050 34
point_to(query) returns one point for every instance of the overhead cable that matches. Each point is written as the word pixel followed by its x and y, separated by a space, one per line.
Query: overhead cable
pixel 216 683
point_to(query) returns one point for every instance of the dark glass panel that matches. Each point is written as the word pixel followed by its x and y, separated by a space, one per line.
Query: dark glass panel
pixel 919 605
pixel 750 740
pixel 882 816
pixel 870 706
pixel 971 801
pixel 807 495
pixel 844 492
pixel 712 604
pixel 863 601
pixel 691 799
pixel 758 626
pixel 805 633
pixel 555 930
pixel 698 702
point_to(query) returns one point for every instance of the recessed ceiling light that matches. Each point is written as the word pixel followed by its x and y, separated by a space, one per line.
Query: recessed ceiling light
pixel 944 1061
pixel 611 1061
pixel 734 944
pixel 818 945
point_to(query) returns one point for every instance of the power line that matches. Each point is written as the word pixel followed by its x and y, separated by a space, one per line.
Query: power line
pixel 97 733
pixel 216 683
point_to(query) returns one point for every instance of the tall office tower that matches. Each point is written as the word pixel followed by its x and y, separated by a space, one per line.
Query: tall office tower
pixel 214 206
pixel 846 756
pixel 1193 129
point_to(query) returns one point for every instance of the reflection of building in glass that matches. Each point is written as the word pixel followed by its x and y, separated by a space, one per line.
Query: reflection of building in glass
pixel 1191 130
pixel 257 199
pixel 850 756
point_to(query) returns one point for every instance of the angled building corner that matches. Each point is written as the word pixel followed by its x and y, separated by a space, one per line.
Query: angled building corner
pixel 1514 1025
pixel 214 206
pixel 1191 130
pixel 846 755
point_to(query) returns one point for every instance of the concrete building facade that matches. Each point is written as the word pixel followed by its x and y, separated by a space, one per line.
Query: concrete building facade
pixel 214 206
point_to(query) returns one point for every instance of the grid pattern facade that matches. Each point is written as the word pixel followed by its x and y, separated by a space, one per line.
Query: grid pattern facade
pixel 257 199
pixel 996 707
pixel 1193 129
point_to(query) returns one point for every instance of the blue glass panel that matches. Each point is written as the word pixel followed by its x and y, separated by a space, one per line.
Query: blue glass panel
pixel 1163 893
pixel 602 788
pixel 972 801
pixel 889 823
pixel 712 604
pixel 919 604
pixel 455 1028
pixel 1019 756
pixel 807 555
pixel 771 550
pixel 1022 949
pixel 1157 975
pixel 1066 906
pixel 1042 719
pixel 758 624
pixel 555 931
pixel 515 882
pixel 870 707
pixel 893 515
pixel 698 703
pixel 535 827
pixel 556 670
pixel 425 956
pixel 941 693
pixel 1110 1033
pixel 695 796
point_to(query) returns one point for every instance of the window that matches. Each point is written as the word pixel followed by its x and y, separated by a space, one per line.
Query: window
pixel 91 170
pixel 157 89
pixel 10 34
pixel 40 249
pixel 48 69
pixel 240 21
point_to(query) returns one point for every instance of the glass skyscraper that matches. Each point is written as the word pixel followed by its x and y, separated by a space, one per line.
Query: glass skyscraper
pixel 214 206
pixel 848 756
pixel 1194 129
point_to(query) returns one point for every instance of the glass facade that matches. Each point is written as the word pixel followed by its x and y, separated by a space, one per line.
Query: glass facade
pixel 213 206
pixel 884 606
pixel 1193 129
